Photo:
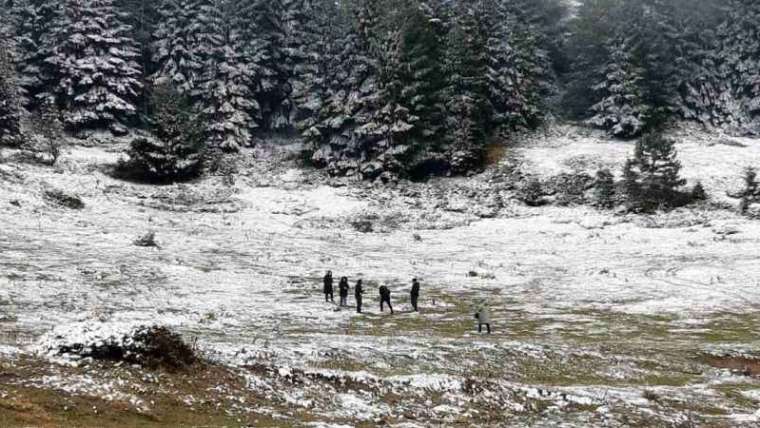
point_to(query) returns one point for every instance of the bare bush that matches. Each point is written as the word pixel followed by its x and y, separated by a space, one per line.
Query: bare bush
pixel 153 347
pixel 147 240
pixel 61 198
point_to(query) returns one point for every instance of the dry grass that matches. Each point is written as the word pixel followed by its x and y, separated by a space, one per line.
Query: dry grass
pixel 494 153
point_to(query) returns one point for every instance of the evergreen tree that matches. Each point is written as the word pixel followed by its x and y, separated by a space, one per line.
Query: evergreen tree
pixel 535 34
pixel 701 91
pixel 34 31
pixel 96 69
pixel 740 48
pixel 503 75
pixel 652 176
pixel 467 93
pixel 698 193
pixel 631 184
pixel 262 43
pixel 49 131
pixel 751 192
pixel 174 44
pixel 176 151
pixel 422 82
pixel 621 110
pixel 604 188
pixel 10 100
pixel 142 17
pixel 224 89
pixel 342 137
pixel 310 33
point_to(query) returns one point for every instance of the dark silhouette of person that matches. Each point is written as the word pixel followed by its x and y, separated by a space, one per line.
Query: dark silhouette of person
pixel 385 297
pixel 358 291
pixel 328 287
pixel 343 291
pixel 415 294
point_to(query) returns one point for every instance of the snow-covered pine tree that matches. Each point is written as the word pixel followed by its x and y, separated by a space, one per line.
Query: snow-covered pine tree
pixel 631 184
pixel 533 30
pixel 660 31
pixel 262 42
pixel 95 62
pixel 223 91
pixel 402 65
pixel 701 90
pixel 10 100
pixel 176 152
pixel 604 188
pixel 142 17
pixel 174 45
pixel 353 94
pixel 506 82
pixel 421 62
pixel 308 47
pixel 621 109
pixel 654 173
pixel 751 191
pixel 34 31
pixel 740 47
pixel 467 92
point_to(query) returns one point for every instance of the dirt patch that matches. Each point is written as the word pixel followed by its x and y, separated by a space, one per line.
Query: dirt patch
pixel 747 366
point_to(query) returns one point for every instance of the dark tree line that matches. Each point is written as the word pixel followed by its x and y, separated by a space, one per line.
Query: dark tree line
pixel 394 87
pixel 650 61
pixel 380 88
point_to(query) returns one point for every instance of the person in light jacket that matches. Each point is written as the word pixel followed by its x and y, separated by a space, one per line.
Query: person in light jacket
pixel 483 316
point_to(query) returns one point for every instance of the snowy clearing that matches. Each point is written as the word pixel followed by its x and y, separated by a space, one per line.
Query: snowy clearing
pixel 598 318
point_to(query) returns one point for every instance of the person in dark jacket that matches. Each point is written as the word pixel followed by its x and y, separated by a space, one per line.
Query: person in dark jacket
pixel 328 287
pixel 415 294
pixel 385 297
pixel 358 291
pixel 343 290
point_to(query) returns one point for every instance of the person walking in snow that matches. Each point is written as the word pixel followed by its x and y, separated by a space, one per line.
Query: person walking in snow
pixel 415 294
pixel 343 290
pixel 483 316
pixel 328 287
pixel 358 291
pixel 385 297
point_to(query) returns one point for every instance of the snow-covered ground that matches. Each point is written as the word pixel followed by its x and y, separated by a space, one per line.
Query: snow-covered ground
pixel 590 309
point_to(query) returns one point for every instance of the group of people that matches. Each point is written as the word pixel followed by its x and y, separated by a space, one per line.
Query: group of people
pixel 344 288
pixel 481 311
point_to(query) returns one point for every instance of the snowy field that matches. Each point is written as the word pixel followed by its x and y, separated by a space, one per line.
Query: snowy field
pixel 599 319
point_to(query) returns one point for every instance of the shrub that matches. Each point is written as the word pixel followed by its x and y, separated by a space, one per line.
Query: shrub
pixel 604 188
pixel 63 199
pixel 149 346
pixel 751 192
pixel 147 240
pixel 698 193
pixel 47 122
pixel 176 152
pixel 532 193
